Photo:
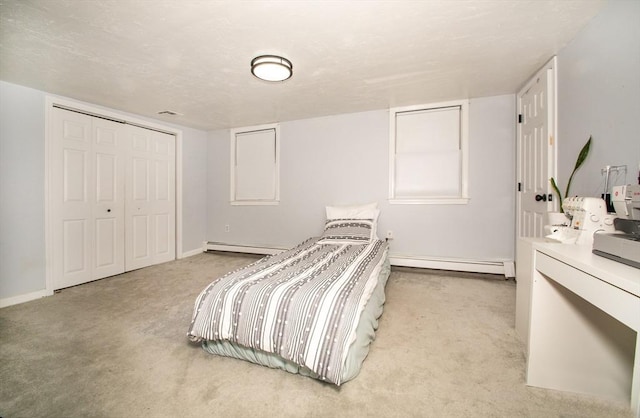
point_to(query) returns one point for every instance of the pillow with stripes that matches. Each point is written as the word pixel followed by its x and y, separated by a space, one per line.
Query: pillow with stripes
pixel 347 231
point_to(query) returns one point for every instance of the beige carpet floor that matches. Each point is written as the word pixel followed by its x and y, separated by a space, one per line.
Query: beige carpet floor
pixel 446 347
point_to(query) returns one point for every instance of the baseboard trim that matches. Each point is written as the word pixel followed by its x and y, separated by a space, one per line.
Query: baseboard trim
pixel 192 253
pixel 27 297
pixel 502 267
pixel 245 249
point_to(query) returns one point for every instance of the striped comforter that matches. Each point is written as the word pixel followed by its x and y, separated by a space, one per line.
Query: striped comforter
pixel 302 304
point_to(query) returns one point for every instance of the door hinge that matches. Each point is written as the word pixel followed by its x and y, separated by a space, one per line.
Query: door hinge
pixel 520 118
pixel 519 186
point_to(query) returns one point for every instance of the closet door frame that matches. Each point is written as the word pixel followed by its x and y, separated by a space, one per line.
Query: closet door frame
pixel 93 110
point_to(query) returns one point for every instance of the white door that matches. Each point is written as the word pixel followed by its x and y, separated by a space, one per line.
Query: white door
pixel 87 198
pixel 150 212
pixel 536 131
pixel 109 205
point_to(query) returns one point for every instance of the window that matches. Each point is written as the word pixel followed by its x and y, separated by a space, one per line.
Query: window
pixel 428 154
pixel 255 165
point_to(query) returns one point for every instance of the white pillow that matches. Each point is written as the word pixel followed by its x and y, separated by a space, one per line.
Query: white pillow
pixel 366 211
pixel 352 212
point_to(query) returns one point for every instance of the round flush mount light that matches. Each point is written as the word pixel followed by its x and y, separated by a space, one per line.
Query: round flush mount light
pixel 271 68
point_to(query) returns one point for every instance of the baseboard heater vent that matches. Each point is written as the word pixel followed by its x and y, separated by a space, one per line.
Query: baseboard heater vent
pixel 503 267
pixel 506 268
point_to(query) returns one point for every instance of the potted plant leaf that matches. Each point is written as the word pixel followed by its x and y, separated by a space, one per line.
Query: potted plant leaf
pixel 584 152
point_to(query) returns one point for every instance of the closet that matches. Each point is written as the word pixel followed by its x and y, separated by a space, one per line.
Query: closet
pixel 112 197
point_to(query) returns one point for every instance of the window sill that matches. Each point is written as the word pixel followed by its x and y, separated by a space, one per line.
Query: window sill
pixel 430 201
pixel 254 202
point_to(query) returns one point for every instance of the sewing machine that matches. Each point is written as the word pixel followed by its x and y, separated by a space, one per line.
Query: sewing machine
pixel 588 215
pixel 626 201
pixel 624 244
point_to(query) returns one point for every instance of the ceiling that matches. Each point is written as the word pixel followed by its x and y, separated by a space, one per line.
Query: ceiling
pixel 192 57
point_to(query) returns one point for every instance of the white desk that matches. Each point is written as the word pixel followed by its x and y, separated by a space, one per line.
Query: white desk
pixel 584 324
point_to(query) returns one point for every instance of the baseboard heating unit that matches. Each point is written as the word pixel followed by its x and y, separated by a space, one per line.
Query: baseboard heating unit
pixel 503 267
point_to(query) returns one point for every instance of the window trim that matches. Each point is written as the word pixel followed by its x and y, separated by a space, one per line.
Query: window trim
pixel 232 166
pixel 463 198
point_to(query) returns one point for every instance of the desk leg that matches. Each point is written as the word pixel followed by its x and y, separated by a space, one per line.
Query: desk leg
pixel 574 346
pixel 635 384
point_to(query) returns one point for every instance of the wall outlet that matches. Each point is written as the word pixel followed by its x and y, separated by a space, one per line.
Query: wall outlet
pixel 389 234
pixel 226 228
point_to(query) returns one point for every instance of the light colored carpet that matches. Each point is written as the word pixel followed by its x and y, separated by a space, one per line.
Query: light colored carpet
pixel 117 347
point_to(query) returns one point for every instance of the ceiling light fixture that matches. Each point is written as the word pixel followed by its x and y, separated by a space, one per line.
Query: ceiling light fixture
pixel 271 68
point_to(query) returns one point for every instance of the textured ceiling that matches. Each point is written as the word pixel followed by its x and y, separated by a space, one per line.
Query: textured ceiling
pixel 192 57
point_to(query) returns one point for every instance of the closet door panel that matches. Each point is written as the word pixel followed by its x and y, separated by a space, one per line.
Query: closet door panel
pixel 138 251
pixel 71 198
pixel 106 243
pixel 88 198
pixel 161 234
pixel 151 211
pixel 109 204
pixel 164 203
pixel 141 242
pixel 76 240
pixel 74 174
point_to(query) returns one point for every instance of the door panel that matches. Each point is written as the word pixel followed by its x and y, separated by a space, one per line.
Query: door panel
pixel 140 180
pixel 152 193
pixel 88 215
pixel 76 240
pixel 106 242
pixel 109 204
pixel 71 199
pixel 140 236
pixel 535 151
pixel 164 207
pixel 139 252
pixel 74 175
pixel 162 180
pixel 106 183
pixel 161 234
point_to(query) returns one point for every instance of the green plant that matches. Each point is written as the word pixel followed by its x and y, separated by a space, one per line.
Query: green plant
pixel 584 152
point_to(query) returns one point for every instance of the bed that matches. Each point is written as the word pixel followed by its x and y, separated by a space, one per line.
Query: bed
pixel 312 309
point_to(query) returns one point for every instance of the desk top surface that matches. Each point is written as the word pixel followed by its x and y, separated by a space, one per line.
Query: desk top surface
pixel 580 256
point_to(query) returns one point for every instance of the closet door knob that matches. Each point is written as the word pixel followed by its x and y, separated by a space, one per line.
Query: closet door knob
pixel 540 197
pixel 108 210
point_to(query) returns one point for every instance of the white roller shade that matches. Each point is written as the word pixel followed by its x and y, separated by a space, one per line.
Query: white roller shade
pixel 427 153
pixel 254 168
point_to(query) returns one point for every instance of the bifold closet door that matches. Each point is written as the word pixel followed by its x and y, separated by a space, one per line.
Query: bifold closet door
pixel 150 197
pixel 88 165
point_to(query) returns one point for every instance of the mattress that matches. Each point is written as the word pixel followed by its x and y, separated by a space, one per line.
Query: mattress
pixel 362 270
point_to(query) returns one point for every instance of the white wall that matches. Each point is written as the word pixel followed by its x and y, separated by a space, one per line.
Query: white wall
pixel 194 188
pixel 22 179
pixel 22 249
pixel 344 160
pixel 599 95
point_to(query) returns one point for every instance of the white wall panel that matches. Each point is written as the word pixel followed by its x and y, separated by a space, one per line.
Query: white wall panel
pixel 598 95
